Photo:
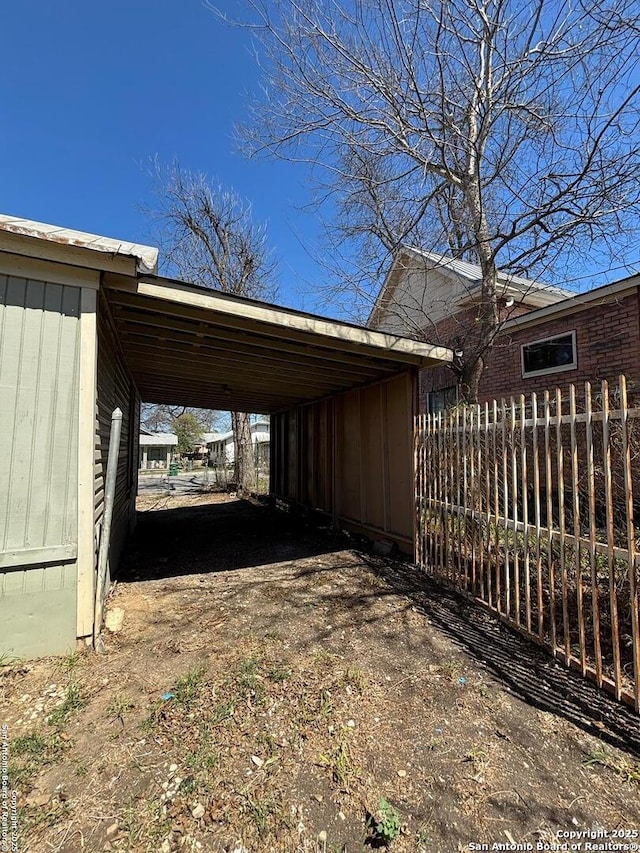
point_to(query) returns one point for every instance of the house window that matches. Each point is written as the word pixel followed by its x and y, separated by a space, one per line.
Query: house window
pixel 550 355
pixel 440 401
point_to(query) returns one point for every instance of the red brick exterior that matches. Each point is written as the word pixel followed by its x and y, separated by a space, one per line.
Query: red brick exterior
pixel 607 344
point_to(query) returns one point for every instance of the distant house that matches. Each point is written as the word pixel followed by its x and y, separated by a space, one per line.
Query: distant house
pixel 549 337
pixel 221 448
pixel 156 450
pixel 589 337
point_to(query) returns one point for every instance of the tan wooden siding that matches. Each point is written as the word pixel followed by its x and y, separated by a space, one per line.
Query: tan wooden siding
pixel 115 389
pixel 39 353
pixel 351 455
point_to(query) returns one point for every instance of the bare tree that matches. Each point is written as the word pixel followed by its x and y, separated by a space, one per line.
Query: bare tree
pixel 156 418
pixel 207 236
pixel 505 132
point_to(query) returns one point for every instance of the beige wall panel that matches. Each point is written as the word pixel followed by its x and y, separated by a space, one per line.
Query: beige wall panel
pixel 368 441
pixel 372 457
pixel 348 455
pixel 292 456
pixel 39 360
pixel 400 456
pixel 322 424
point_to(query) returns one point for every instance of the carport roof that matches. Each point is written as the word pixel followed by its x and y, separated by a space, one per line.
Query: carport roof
pixel 188 345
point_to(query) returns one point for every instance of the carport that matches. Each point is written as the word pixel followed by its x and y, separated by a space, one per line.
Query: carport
pixel 188 345
pixel 341 400
pixel 341 397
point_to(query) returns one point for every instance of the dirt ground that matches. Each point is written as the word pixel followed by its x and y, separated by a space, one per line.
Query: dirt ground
pixel 277 687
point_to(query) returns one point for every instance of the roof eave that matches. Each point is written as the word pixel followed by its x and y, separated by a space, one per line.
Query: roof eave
pixel 77 248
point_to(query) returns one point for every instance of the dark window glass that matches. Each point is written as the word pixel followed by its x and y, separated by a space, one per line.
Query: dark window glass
pixel 549 354
pixel 440 401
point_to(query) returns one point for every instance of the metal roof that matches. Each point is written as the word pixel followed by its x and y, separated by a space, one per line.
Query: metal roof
pixel 159 439
pixel 534 293
pixel 473 273
pixel 146 256
pixel 188 345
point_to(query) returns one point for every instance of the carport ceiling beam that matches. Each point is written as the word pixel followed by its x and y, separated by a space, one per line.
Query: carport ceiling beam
pixel 211 396
pixel 239 375
pixel 204 336
pixel 283 324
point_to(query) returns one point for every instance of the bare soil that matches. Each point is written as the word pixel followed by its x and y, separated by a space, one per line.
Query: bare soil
pixel 276 686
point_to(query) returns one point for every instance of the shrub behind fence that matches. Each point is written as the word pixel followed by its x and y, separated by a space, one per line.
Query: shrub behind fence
pixel 528 506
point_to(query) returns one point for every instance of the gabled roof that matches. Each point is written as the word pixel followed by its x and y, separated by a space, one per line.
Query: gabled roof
pixel 218 436
pixel 159 439
pixel 532 292
pixel 213 437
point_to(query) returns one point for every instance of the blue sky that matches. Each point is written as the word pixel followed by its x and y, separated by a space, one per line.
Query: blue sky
pixel 90 91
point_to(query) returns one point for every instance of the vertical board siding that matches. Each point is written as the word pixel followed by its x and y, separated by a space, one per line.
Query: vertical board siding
pixel 357 458
pixel 115 389
pixel 371 444
pixel 39 352
pixel 529 507
pixel 38 414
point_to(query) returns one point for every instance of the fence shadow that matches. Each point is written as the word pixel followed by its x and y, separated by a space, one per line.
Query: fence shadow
pixel 519 664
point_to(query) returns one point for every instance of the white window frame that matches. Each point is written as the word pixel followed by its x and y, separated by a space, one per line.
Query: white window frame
pixel 563 368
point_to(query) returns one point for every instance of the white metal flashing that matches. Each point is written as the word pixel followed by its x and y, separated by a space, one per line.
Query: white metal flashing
pixel 146 256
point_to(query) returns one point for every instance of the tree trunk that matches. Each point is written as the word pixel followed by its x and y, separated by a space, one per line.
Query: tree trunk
pixel 469 380
pixel 244 465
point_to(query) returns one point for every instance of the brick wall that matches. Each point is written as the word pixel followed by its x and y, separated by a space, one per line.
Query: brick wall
pixel 607 343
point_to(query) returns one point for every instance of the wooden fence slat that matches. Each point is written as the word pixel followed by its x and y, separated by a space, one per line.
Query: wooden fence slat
pixel 465 492
pixel 524 490
pixel 514 499
pixel 561 522
pixel 575 488
pixel 549 494
pixel 631 540
pixel 536 505
pixel 441 489
pixel 453 457
pixel 496 499
pixel 608 489
pixel 417 492
pixel 505 507
pixel 487 504
pixel 424 462
pixel 431 475
pixel 593 564
pixel 472 495
pixel 428 485
pixel 480 489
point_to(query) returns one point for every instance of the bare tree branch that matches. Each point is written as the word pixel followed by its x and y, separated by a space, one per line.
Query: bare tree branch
pixel 506 132
pixel 207 236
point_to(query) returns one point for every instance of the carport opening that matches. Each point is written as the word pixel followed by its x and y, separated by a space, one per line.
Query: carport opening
pixel 192 451
pixel 339 397
pixel 202 533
